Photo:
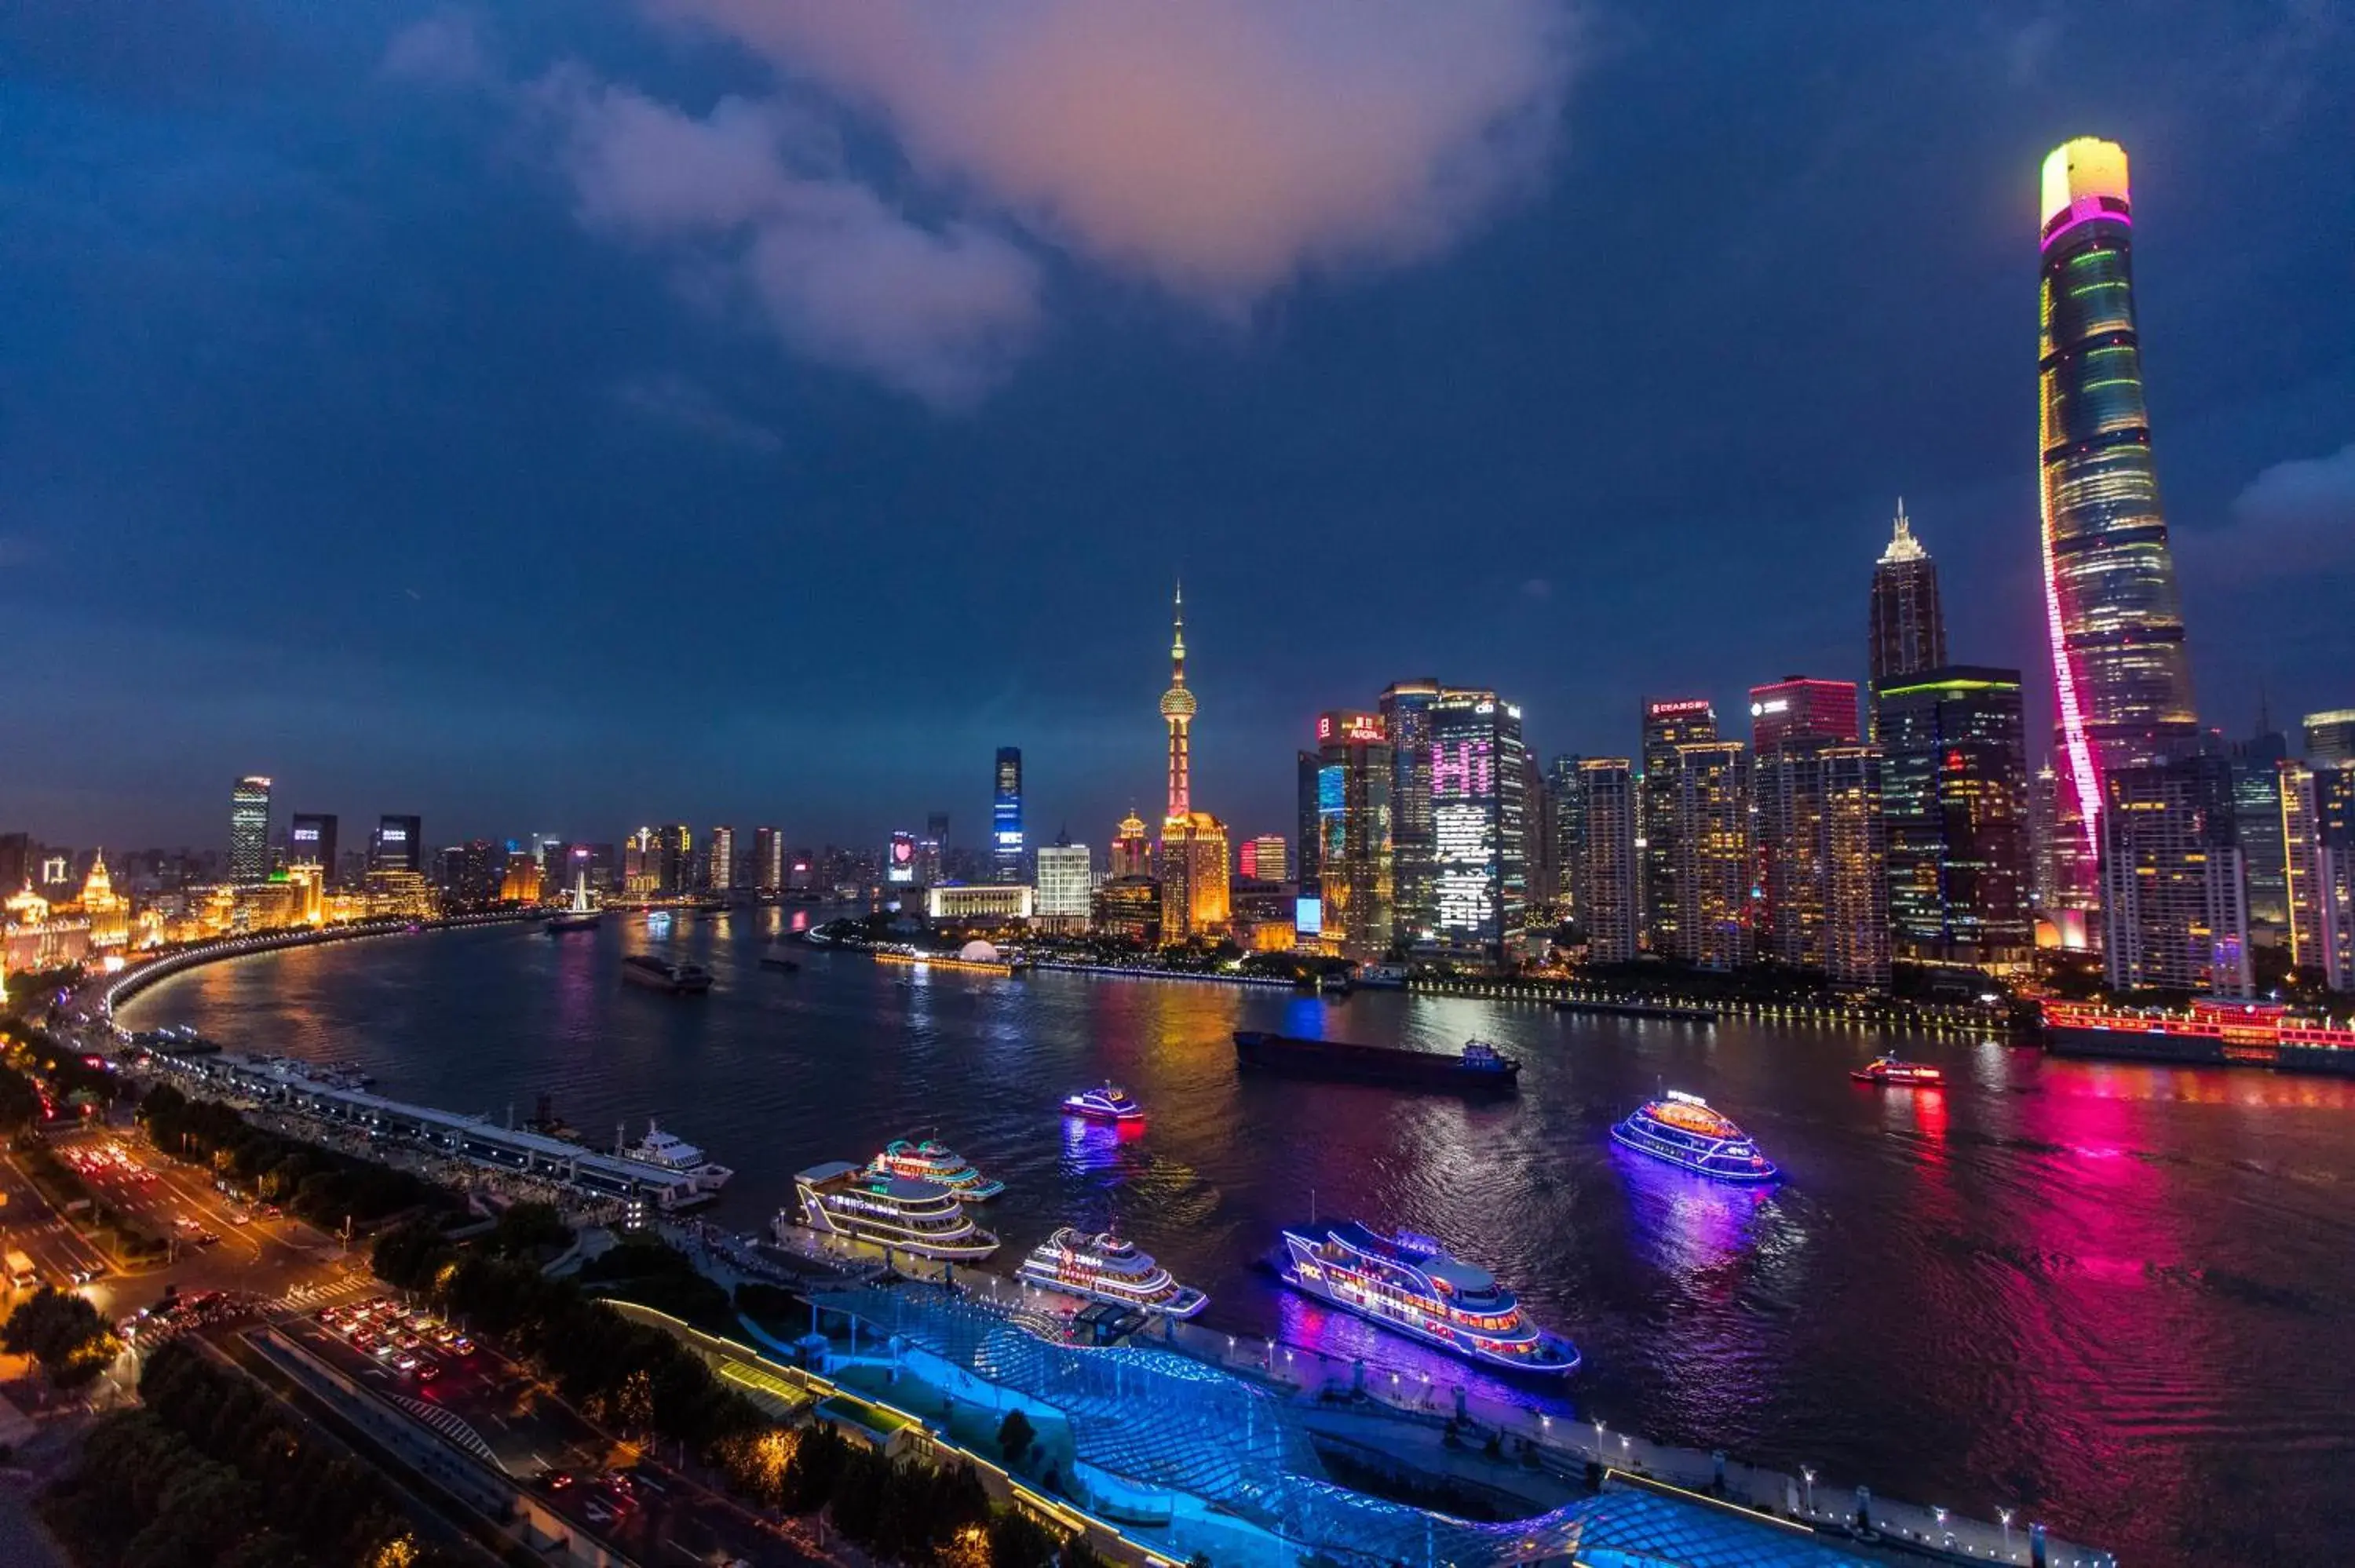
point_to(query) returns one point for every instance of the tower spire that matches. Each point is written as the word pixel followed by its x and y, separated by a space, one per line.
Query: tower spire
pixel 1177 712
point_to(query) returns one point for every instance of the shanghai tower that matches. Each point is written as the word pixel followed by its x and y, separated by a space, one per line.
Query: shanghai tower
pixel 2118 662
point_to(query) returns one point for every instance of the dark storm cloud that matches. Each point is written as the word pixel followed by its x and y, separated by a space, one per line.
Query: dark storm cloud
pixel 534 416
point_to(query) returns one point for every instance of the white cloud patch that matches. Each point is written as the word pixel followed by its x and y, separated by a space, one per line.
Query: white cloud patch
pixel 1219 148
pixel 673 399
pixel 2294 518
pixel 841 273
pixel 443 49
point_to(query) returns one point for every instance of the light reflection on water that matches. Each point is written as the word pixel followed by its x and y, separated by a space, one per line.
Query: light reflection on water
pixel 2046 1278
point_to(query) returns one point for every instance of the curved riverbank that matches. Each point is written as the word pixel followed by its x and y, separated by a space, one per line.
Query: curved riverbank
pixel 121 988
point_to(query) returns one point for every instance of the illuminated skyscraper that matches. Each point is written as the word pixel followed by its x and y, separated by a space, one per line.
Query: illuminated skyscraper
pixel 1406 720
pixel 1355 778
pixel 1908 630
pixel 1565 797
pixel 1266 858
pixel 1006 818
pixel 719 861
pixel 1304 783
pixel 768 862
pixel 2119 665
pixel 1132 852
pixel 311 840
pixel 932 850
pixel 2175 913
pixel 673 859
pixel 2330 737
pixel 1855 868
pixel 1799 708
pixel 248 829
pixel 1956 786
pixel 1194 870
pixel 1064 885
pixel 1667 726
pixel 398 844
pixel 1610 884
pixel 1479 876
pixel 1710 818
pixel 1794 723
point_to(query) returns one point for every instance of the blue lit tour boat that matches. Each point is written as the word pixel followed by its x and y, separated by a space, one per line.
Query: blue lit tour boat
pixel 1409 1283
pixel 1107 1267
pixel 1682 1129
pixel 1106 1102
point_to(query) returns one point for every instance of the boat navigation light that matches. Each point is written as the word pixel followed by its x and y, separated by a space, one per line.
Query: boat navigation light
pixel 1686 1098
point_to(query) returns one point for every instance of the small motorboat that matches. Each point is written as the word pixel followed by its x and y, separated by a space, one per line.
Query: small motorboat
pixel 1895 1072
pixel 1106 1102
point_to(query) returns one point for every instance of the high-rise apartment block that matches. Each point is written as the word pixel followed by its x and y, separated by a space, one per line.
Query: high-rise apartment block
pixel 1667 725
pixel 1609 892
pixel 1405 707
pixel 1710 814
pixel 719 873
pixel 2174 903
pixel 768 862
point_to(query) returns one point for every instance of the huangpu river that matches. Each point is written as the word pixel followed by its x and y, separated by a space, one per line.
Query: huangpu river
pixel 2119 1300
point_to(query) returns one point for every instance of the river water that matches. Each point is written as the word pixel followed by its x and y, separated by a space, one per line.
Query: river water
pixel 2119 1300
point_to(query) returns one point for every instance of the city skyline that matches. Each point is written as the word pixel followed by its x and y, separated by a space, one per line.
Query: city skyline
pixel 1396 398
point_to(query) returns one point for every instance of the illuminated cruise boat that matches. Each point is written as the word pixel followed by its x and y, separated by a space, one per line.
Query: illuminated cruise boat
pixel 1106 1102
pixel 1410 1285
pixel 1896 1072
pixel 1106 1269
pixel 840 1199
pixel 2216 1031
pixel 1681 1129
pixel 937 1163
pixel 674 1153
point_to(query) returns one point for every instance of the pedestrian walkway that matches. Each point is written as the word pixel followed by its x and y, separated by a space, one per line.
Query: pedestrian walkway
pixel 327 1292
pixel 452 1425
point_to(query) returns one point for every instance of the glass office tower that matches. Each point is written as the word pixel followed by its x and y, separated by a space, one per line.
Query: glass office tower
pixel 2116 627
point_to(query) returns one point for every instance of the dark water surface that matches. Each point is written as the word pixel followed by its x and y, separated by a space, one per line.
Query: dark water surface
pixel 2120 1299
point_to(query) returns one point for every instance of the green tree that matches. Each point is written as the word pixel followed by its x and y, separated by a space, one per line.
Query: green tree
pixel 1015 1435
pixel 64 1333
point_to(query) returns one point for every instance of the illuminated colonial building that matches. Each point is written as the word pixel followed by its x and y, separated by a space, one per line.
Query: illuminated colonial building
pixel 1193 843
pixel 107 911
pixel 2122 675
pixel 37 938
pixel 519 884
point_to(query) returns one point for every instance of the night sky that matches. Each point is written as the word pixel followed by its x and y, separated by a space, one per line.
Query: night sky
pixel 560 415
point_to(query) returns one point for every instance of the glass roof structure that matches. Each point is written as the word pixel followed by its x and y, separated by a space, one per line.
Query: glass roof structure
pixel 1163 1420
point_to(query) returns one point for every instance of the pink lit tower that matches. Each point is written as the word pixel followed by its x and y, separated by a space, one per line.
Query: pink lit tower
pixel 2119 667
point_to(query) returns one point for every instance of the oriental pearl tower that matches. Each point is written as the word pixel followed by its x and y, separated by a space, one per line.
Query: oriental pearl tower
pixel 1193 843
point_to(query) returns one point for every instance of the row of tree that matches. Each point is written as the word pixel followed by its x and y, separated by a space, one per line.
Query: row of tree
pixel 213 1473
pixel 325 1187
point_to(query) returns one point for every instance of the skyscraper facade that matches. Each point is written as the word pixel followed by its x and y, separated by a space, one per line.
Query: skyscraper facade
pixel 768 862
pixel 398 844
pixel 2174 904
pixel 311 840
pixel 1065 884
pixel 2334 871
pixel 933 849
pixel 1609 894
pixel 719 861
pixel 1132 852
pixel 2119 666
pixel 1194 870
pixel 2257 823
pixel 1955 786
pixel 1566 800
pixel 1907 632
pixel 1712 831
pixel 1005 818
pixel 1306 770
pixel 1856 942
pixel 1666 725
pixel 248 829
pixel 1355 777
pixel 674 859
pixel 1798 708
pixel 1479 883
pixel 2330 737
pixel 1266 858
pixel 1406 719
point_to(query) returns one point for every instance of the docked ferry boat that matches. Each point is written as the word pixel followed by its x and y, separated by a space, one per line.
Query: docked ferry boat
pixel 1106 1102
pixel 1410 1285
pixel 1681 1129
pixel 1107 1267
pixel 846 1200
pixel 937 1163
pixel 2216 1031
pixel 675 1153
pixel 1896 1072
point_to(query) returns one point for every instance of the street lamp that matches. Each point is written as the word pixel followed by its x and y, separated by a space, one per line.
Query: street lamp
pixel 2005 1515
pixel 1808 1475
